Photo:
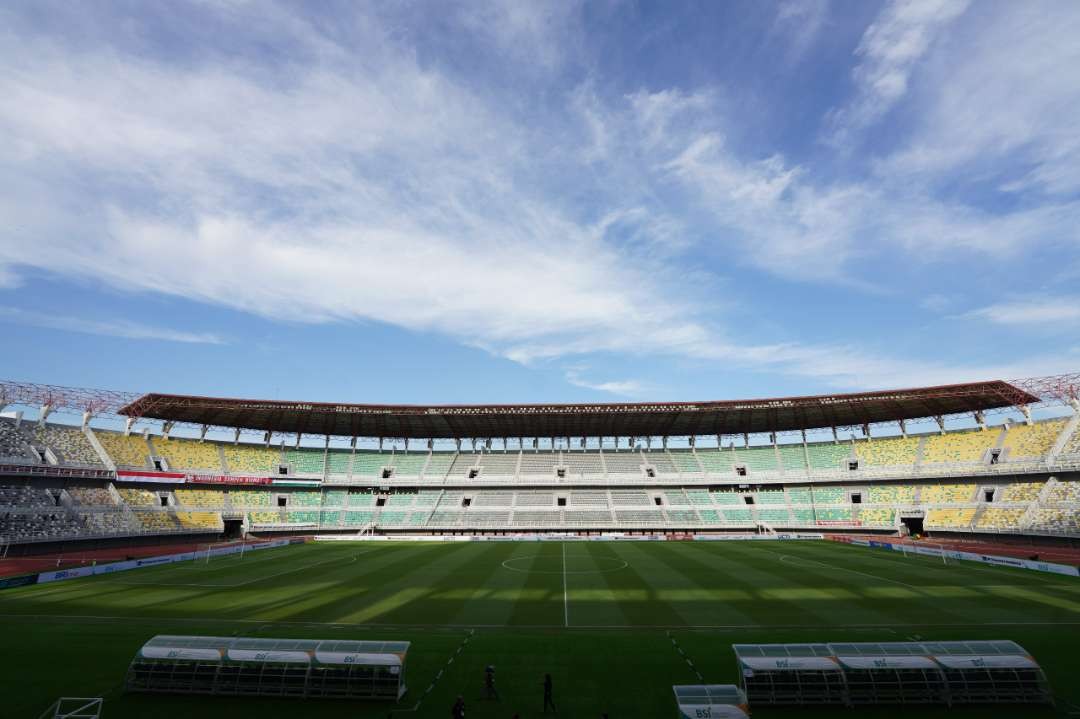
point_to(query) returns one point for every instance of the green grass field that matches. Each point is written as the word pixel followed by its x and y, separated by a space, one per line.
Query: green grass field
pixel 605 618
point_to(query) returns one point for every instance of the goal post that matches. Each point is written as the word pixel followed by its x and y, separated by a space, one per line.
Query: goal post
pixel 74 708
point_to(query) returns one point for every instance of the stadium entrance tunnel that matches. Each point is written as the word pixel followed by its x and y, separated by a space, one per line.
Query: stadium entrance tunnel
pixel 234 528
pixel 914 525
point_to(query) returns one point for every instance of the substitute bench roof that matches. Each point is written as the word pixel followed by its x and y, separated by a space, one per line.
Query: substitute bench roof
pixel 580 420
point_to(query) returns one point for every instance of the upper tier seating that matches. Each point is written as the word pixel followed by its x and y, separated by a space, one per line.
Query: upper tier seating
pixel 252 459
pixel 461 465
pixel 213 498
pixel 38 526
pixel 891 494
pixel 498 464
pixel 1000 518
pixel 1021 491
pixel 792 457
pixel 829 495
pixel 91 496
pixel 660 462
pixel 887 452
pixel 242 498
pixel 960 518
pixel 69 444
pixel 188 454
pixel 1056 519
pixel 1031 441
pixel 685 461
pixel 1072 444
pixel 200 521
pixel 439 464
pixel 12 443
pixel 773 496
pixel 154 522
pixel 799 495
pixel 125 450
pixel 962 446
pixel 534 499
pixel 338 461
pixel 137 497
pixel 581 463
pixel 304 499
pixel 539 463
pixel 306 460
pixel 947 493
pixel 1065 492
pixel 22 495
pixel 877 517
pixel 408 464
pixel 581 498
pixel 828 455
pixel 623 463
pixel 369 465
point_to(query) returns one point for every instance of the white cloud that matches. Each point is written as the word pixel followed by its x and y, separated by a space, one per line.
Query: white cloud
pixel 1061 312
pixel 628 388
pixel 801 21
pixel 106 328
pixel 999 104
pixel 364 184
pixel 890 48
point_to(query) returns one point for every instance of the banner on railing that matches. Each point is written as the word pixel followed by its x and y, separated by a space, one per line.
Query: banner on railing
pixel 994 559
pixel 124 475
pixel 225 479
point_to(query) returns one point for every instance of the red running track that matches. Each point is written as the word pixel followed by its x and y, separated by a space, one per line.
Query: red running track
pixel 1020 548
pixel 81 558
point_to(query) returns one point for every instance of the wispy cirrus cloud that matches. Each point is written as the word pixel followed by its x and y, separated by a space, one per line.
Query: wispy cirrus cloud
pixel 105 328
pixel 1036 312
pixel 888 52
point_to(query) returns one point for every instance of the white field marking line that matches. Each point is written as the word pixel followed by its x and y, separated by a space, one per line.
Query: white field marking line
pixel 242 584
pixel 512 627
pixel 438 676
pixel 565 598
pixel 507 562
pixel 785 557
pixel 932 562
pixel 682 654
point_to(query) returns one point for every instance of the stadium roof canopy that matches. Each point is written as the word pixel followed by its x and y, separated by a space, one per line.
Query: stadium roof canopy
pixel 580 420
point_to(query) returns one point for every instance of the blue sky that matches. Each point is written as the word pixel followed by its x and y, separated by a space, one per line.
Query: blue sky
pixel 517 202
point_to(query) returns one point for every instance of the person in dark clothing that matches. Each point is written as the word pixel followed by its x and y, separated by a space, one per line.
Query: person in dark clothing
pixel 489 683
pixel 458 711
pixel 548 701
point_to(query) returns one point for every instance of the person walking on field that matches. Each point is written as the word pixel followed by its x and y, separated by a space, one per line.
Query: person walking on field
pixel 489 683
pixel 458 710
pixel 548 701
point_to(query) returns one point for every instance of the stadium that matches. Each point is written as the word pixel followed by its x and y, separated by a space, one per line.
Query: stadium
pixel 905 547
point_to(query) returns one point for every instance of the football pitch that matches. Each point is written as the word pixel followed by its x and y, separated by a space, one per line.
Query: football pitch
pixel 615 623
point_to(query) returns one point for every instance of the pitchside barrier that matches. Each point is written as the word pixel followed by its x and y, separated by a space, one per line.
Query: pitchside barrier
pixel 613 537
pixel 945 554
pixel 62 574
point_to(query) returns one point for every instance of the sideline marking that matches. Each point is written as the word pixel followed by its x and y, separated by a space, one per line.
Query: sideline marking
pixel 594 627
pixel 239 584
pixel 438 676
pixel 682 654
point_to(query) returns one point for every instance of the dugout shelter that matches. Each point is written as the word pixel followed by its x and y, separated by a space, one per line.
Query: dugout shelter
pixel 868 673
pixel 710 701
pixel 307 668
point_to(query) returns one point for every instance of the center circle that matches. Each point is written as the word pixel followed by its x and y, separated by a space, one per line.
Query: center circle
pixel 558 566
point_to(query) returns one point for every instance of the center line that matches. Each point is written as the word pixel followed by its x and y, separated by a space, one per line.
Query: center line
pixel 565 601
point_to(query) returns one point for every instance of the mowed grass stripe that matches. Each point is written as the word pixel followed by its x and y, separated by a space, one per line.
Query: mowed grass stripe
pixel 540 602
pixel 633 601
pixel 789 593
pixel 697 593
pixel 495 597
pixel 970 596
pixel 899 600
pixel 387 583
